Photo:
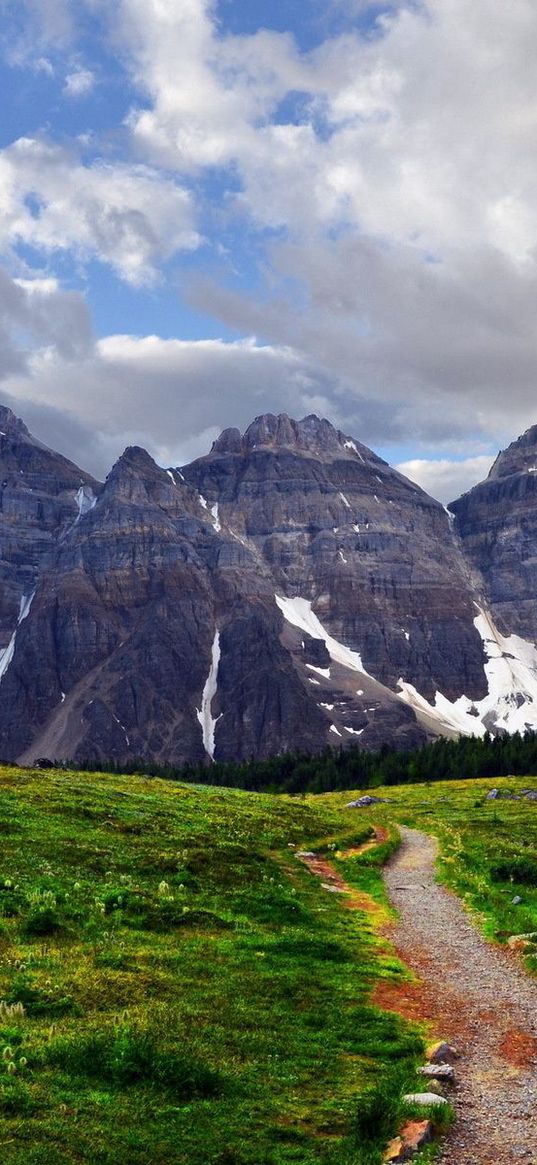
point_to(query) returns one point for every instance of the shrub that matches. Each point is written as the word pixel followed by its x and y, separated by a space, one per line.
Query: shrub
pixel 129 1055
pixel 42 921
pixel 520 870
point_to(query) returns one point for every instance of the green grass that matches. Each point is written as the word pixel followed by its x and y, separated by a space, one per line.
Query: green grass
pixel 191 993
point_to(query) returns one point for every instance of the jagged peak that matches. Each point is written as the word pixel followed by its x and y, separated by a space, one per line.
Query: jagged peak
pixel 135 461
pixel 519 457
pixel 12 426
pixel 312 434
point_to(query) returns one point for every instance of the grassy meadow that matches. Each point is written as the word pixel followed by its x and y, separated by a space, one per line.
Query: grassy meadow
pixel 177 987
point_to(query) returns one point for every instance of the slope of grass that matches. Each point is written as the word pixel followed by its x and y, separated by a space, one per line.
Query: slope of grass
pixel 178 988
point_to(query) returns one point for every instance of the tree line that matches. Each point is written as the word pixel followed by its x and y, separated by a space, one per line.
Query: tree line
pixel 350 768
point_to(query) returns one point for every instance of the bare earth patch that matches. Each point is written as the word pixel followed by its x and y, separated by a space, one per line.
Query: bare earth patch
pixel 479 999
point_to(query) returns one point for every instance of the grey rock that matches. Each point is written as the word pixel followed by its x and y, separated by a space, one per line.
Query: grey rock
pixel 516 900
pixel 363 802
pixel 424 1098
pixel 438 1071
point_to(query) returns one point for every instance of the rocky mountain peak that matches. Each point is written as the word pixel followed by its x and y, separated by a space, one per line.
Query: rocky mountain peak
pixel 312 435
pixel 11 425
pixel 519 457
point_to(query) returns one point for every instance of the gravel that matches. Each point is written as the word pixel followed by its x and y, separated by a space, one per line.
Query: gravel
pixel 476 996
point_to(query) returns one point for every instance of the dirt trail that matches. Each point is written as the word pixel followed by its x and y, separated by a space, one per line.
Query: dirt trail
pixel 479 999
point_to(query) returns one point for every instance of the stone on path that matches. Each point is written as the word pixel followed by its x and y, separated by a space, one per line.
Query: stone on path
pixel 438 1071
pixel 441 1053
pixel 413 1136
pixel 424 1098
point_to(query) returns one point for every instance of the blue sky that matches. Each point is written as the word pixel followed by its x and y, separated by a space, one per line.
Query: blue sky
pixel 211 210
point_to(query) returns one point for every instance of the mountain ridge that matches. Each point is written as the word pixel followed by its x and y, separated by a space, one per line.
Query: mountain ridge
pixel 287 590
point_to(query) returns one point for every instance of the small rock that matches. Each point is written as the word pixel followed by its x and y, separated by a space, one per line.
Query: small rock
pixel 305 853
pixel 519 942
pixel 394 1152
pixel 333 889
pixel 516 900
pixel 424 1098
pixel 531 795
pixel 493 795
pixel 438 1071
pixel 441 1053
pixel 413 1136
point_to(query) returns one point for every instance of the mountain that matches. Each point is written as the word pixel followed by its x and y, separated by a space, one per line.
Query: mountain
pixel 289 590
pixel 497 523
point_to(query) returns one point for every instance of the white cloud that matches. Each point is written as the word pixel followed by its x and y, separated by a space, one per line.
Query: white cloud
pixel 79 83
pixel 447 480
pixel 171 396
pixel 126 215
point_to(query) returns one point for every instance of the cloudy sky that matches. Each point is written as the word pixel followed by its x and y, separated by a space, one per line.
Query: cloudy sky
pixel 215 208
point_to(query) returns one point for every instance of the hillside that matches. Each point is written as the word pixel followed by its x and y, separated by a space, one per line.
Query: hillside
pixel 191 993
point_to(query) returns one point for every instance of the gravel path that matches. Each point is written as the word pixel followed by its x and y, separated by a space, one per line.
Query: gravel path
pixel 479 999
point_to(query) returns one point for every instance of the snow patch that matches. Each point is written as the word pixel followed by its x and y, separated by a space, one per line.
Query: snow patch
pixel 356 529
pixel 342 557
pixel 203 501
pixel 207 720
pixel 329 706
pixel 85 500
pixel 345 500
pixel 351 445
pixel 298 612
pixel 353 731
pixel 334 730
pixel 321 671
pixel 406 634
pixel 122 726
pixel 216 520
pixel 6 655
pixel 511 702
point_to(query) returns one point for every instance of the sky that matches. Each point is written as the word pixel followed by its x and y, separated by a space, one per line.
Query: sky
pixel 211 209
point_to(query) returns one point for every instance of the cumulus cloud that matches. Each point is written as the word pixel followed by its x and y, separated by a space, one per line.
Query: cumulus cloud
pixel 127 215
pixel 394 165
pixel 446 480
pixel 171 396
pixel 79 83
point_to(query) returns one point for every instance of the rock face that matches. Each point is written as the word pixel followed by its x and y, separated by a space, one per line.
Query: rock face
pixel 42 495
pixel 497 524
pixel 287 591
